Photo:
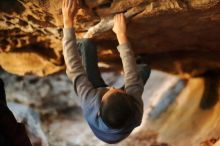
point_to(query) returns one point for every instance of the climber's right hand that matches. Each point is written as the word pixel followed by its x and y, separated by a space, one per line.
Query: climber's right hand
pixel 69 10
pixel 120 28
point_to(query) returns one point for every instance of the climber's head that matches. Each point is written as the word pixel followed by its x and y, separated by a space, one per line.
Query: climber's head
pixel 116 108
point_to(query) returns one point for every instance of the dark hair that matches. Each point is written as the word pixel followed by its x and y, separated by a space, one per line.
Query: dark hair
pixel 117 110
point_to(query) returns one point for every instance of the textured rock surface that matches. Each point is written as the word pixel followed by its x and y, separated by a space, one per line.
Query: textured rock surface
pixel 177 36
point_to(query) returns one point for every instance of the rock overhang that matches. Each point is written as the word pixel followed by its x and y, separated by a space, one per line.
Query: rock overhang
pixel 176 36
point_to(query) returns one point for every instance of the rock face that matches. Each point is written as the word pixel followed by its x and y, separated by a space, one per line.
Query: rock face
pixel 31 119
pixel 177 36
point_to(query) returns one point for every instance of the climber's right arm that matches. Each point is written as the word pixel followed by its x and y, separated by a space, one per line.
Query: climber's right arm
pixel 74 69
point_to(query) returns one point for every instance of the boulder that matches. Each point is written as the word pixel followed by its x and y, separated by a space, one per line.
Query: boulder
pixel 180 37
pixel 31 119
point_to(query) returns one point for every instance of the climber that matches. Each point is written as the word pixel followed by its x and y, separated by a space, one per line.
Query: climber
pixel 111 113
pixel 11 132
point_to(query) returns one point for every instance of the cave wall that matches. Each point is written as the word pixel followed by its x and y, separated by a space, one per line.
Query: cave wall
pixel 176 36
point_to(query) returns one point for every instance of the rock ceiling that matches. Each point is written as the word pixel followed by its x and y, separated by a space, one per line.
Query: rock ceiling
pixel 176 36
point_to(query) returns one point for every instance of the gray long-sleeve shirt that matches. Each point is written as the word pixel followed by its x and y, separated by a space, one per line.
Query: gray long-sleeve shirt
pixel 90 97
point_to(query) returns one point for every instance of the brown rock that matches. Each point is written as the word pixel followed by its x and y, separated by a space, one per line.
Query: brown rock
pixel 210 142
pixel 180 37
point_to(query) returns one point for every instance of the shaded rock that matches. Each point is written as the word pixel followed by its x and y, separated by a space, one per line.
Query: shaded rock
pixel 31 119
pixel 210 142
pixel 184 34
pixel 210 94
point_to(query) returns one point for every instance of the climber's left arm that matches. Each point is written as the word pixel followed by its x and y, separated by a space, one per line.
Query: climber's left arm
pixel 133 83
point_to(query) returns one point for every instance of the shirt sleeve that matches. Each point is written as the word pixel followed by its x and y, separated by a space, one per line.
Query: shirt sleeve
pixel 74 68
pixel 133 84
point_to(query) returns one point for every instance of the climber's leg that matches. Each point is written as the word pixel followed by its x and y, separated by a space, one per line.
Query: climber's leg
pixel 144 72
pixel 88 52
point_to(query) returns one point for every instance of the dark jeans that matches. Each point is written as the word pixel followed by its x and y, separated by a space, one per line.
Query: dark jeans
pixel 11 132
pixel 88 52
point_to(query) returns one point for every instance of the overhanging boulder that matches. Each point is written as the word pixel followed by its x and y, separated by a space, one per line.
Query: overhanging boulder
pixel 175 36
